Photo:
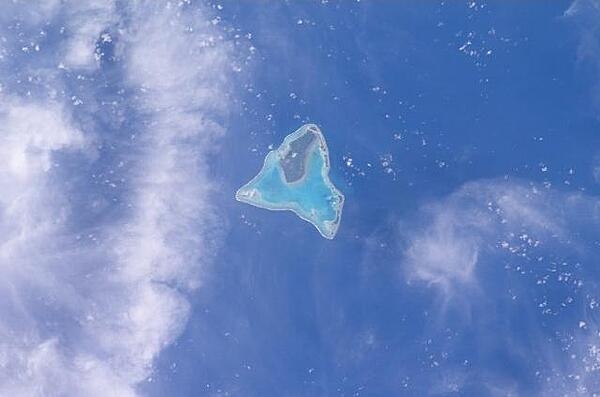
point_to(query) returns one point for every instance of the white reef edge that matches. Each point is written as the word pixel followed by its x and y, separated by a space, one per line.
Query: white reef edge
pixel 248 196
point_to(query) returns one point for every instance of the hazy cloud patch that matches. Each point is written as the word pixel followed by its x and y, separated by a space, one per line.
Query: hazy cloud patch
pixel 516 248
pixel 87 307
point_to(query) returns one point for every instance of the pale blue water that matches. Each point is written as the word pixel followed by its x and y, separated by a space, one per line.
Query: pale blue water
pixel 311 198
pixel 311 194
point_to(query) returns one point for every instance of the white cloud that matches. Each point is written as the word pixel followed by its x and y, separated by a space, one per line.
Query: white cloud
pixel 85 22
pixel 576 373
pixel 80 22
pixel 521 248
pixel 585 14
pixel 444 250
pixel 444 253
pixel 86 308
pixel 596 168
pixel 29 134
pixel 479 219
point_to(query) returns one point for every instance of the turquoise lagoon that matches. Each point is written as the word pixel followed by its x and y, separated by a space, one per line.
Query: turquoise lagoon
pixel 295 177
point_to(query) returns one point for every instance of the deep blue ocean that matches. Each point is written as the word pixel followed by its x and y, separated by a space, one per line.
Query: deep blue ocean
pixel 465 138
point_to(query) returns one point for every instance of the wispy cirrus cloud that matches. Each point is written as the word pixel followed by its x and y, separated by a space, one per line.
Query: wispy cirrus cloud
pixel 478 219
pixel 87 305
pixel 585 17
pixel 505 253
pixel 585 13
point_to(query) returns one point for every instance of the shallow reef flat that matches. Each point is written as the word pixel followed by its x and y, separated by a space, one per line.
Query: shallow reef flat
pixel 295 177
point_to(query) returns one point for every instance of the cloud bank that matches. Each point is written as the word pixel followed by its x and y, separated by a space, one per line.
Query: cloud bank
pixel 106 213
